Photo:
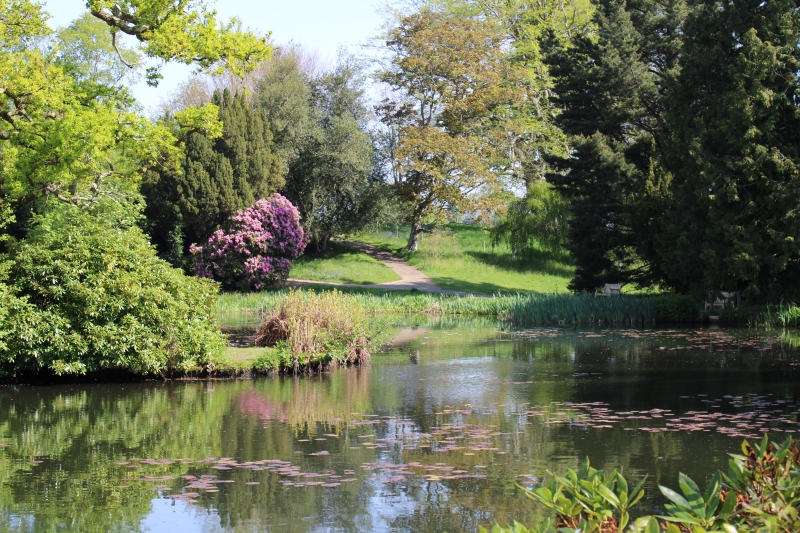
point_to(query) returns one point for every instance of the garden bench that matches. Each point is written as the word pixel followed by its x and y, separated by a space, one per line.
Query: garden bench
pixel 720 299
pixel 610 289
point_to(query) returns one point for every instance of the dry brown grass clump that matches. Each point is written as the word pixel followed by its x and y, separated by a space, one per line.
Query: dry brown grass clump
pixel 314 330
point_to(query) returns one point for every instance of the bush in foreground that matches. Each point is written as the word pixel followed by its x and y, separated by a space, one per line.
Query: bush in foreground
pixel 257 249
pixel 83 296
pixel 313 330
pixel 760 493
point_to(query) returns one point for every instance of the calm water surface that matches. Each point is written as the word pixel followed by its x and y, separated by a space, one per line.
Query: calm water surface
pixel 438 434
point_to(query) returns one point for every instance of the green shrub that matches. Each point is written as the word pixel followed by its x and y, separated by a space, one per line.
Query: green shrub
pixel 675 308
pixel 760 493
pixel 276 359
pixel 90 297
pixel 733 317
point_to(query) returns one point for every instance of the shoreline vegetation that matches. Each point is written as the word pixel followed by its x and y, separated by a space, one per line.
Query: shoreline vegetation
pixel 759 493
pixel 527 309
pixel 316 330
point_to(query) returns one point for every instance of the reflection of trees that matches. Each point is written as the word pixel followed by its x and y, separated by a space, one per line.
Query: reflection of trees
pixel 81 433
pixel 82 430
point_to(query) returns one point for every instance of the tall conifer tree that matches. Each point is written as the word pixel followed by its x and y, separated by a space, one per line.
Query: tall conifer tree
pixel 734 149
pixel 218 178
pixel 609 87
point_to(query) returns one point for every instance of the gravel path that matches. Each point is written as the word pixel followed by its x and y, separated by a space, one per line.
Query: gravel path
pixel 410 277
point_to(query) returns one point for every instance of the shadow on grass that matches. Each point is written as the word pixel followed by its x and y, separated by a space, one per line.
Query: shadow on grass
pixel 537 262
pixel 483 288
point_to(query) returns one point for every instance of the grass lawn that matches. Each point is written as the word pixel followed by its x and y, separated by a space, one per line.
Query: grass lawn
pixel 460 257
pixel 245 355
pixel 341 264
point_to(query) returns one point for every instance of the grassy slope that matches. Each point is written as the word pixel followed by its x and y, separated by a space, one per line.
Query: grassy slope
pixel 341 264
pixel 460 257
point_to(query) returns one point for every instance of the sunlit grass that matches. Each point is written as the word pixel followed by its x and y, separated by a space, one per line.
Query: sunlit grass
pixel 341 264
pixel 461 257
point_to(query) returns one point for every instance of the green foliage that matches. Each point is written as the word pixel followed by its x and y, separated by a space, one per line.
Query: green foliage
pixel 759 494
pixel 65 133
pixel 332 179
pixel 283 93
pixel 734 317
pixel 708 509
pixel 184 32
pixel 538 221
pixel 610 86
pixel 219 176
pixel 90 295
pixel 88 54
pixel 675 308
pixel 581 308
pixel 590 500
pixel 520 308
pixel 784 315
pixel 733 151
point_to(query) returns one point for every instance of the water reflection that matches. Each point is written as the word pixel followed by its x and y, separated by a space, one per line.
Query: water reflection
pixel 438 434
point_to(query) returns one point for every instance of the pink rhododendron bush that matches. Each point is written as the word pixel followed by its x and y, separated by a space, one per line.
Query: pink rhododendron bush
pixel 257 249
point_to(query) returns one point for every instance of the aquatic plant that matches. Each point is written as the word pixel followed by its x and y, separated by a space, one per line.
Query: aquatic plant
pixel 518 308
pixel 313 330
pixel 256 251
pixel 760 493
pixel 781 315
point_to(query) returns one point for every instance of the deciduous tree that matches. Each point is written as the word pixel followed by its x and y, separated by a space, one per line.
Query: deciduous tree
pixel 60 139
pixel 332 181
pixel 447 75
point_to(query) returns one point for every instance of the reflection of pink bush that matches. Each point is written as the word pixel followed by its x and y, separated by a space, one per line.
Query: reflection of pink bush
pixel 257 249
pixel 251 403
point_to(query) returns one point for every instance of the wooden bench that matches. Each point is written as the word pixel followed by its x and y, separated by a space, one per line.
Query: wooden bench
pixel 721 299
pixel 610 289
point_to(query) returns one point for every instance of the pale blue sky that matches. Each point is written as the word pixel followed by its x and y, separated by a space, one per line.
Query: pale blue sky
pixel 319 25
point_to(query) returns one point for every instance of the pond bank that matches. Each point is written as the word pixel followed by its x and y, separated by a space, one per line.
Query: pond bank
pixel 518 308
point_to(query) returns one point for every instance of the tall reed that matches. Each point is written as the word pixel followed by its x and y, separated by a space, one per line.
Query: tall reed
pixel 782 315
pixel 519 308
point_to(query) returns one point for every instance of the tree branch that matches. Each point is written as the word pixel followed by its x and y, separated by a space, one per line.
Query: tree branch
pixel 119 54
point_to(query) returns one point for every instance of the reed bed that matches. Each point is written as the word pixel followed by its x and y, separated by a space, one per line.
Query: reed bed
pixel 518 308
pixel 782 315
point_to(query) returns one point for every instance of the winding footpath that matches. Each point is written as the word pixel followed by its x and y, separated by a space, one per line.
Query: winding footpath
pixel 410 277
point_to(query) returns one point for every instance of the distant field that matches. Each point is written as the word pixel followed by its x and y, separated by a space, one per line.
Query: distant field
pixel 460 257
pixel 341 264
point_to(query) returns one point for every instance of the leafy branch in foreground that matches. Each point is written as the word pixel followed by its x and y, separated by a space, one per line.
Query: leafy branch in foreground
pixel 759 494
pixel 185 31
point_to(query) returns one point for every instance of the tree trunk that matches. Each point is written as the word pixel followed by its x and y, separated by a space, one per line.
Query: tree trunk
pixel 413 236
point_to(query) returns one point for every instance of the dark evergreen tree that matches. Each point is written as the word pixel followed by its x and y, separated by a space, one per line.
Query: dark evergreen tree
pixel 218 178
pixel 610 89
pixel 734 151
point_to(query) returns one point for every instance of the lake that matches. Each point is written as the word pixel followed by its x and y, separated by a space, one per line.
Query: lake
pixel 440 433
